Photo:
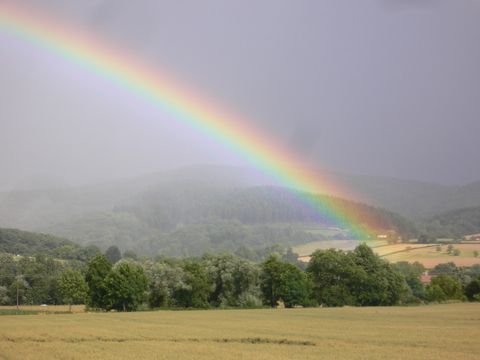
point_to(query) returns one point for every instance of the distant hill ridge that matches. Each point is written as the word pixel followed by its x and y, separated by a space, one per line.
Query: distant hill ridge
pixel 194 209
pixel 454 224
pixel 412 199
pixel 189 220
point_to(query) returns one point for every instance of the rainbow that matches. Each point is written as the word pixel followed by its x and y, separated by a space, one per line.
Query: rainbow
pixel 196 112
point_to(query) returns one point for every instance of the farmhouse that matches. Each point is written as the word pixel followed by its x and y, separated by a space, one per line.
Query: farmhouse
pixel 472 237
pixel 426 278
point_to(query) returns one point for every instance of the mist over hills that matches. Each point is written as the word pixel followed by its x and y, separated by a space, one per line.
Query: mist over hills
pixel 454 223
pixel 185 221
pixel 217 208
pixel 37 208
pixel 411 198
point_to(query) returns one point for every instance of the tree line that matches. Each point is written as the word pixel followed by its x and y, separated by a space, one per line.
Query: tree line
pixel 331 278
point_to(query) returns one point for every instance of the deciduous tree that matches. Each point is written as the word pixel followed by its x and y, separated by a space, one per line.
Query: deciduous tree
pixel 444 287
pixel 73 288
pixel 98 269
pixel 284 281
pixel 126 286
pixel 113 254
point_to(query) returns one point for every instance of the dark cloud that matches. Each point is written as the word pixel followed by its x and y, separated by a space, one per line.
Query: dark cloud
pixel 350 85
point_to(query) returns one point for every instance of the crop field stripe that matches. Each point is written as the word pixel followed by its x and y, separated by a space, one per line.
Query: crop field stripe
pixel 408 250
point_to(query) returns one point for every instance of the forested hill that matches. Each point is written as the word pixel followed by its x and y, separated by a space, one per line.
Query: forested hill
pixel 165 208
pixel 412 199
pixel 190 220
pixel 453 224
pixel 39 209
pixel 28 243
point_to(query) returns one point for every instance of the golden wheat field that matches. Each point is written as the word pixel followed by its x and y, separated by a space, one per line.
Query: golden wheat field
pixel 424 332
pixel 430 257
pixel 425 254
pixel 46 309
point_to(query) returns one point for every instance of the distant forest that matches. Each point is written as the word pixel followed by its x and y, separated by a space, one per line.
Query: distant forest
pixel 453 224
pixel 221 209
pixel 188 222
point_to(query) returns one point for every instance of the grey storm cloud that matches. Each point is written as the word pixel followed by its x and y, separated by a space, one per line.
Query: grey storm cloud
pixel 354 86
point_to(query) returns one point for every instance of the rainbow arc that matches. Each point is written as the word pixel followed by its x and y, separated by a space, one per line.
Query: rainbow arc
pixel 205 116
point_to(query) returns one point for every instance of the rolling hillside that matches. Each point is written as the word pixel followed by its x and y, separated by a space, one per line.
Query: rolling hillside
pixel 28 243
pixel 412 199
pixel 454 224
pixel 217 208
pixel 178 220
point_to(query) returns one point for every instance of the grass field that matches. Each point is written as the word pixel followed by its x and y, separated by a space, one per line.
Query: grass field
pixel 424 332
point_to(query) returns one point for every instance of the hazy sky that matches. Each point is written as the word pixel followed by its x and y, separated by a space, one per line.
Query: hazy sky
pixel 370 87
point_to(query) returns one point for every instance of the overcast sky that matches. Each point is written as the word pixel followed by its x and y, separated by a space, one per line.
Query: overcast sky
pixel 378 87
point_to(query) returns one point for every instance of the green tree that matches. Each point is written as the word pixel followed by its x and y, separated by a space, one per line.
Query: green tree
pixel 33 280
pixel 40 275
pixel 295 286
pixel 98 269
pixel 435 293
pixel 412 274
pixel 113 254
pixel 475 253
pixel 382 284
pixel 444 287
pixel 334 275
pixel 126 286
pixel 474 271
pixel 196 286
pixel 73 288
pixel 359 278
pixel 459 273
pixel 19 288
pixel 472 290
pixel 4 299
pixel 234 280
pixel 270 280
pixel 280 280
pixel 165 279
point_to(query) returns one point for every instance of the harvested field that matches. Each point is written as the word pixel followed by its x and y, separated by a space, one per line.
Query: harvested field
pixel 309 248
pixel 44 309
pixel 426 254
pixel 424 332
pixel 430 257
